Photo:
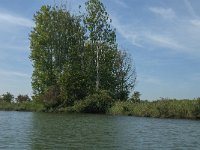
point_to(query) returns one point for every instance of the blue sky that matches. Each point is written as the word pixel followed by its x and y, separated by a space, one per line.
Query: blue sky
pixel 163 38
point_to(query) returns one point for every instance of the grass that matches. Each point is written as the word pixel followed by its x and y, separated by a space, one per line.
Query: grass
pixel 167 108
pixel 24 106
pixel 184 109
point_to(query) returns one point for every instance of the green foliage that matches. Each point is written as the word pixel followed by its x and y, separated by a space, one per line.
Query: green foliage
pixel 25 106
pixel 75 56
pixel 22 98
pixel 125 75
pixel 102 40
pixel 29 106
pixel 23 103
pixel 51 97
pixel 196 111
pixel 56 50
pixel 135 97
pixel 8 97
pixel 189 109
pixel 97 103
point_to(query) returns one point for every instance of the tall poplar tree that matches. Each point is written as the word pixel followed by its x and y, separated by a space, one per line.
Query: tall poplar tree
pixel 101 37
pixel 57 42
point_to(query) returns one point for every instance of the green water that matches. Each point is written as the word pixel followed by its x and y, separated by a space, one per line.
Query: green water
pixel 27 130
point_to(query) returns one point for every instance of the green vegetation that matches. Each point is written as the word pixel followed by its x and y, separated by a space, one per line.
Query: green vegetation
pixel 20 103
pixel 76 57
pixel 8 97
pixel 78 67
pixel 96 103
pixel 102 102
pixel 25 106
pixel 165 108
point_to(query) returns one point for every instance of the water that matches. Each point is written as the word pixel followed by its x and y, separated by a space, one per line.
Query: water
pixel 26 130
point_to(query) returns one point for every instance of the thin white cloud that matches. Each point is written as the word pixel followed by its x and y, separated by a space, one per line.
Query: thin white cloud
pixel 190 8
pixel 195 22
pixel 182 35
pixel 14 73
pixel 141 36
pixel 162 40
pixel 166 13
pixel 126 32
pixel 16 20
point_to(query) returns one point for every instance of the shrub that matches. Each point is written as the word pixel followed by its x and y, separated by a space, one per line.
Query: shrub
pixel 97 103
pixel 22 98
pixel 51 98
pixel 29 106
pixel 196 111
pixel 119 108
pixel 121 95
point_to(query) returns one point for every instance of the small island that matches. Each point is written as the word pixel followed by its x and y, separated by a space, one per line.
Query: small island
pixel 99 75
pixel 79 67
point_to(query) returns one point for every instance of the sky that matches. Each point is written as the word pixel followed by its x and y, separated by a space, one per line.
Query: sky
pixel 162 37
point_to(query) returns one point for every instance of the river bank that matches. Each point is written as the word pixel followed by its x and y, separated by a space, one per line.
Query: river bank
pixel 24 106
pixel 179 109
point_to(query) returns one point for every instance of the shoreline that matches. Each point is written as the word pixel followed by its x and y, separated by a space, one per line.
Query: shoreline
pixel 164 109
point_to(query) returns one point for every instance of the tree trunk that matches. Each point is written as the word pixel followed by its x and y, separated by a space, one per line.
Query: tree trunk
pixel 97 70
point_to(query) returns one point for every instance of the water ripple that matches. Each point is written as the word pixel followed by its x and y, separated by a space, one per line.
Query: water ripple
pixel 25 130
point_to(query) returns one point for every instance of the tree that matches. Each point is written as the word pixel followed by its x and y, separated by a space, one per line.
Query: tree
pixel 56 52
pixel 8 97
pixel 77 56
pixel 135 97
pixel 101 37
pixel 22 98
pixel 42 51
pixel 125 75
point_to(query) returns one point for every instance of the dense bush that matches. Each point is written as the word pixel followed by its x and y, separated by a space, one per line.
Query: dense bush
pixel 51 98
pixel 196 111
pixel 97 103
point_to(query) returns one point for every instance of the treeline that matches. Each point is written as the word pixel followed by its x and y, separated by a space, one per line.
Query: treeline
pixel 76 57
pixel 9 98
pixel 102 103
pixel 19 103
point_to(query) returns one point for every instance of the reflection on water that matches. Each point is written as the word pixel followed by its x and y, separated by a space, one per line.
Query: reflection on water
pixel 74 131
pixel 23 130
